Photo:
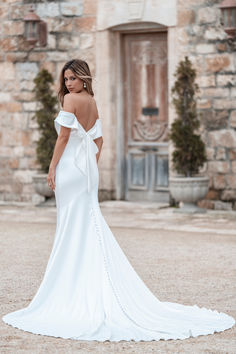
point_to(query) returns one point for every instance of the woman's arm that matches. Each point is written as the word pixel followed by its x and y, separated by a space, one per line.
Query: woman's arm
pixel 60 145
pixel 99 142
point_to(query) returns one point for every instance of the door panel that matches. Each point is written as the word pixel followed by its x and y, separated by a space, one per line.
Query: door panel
pixel 146 116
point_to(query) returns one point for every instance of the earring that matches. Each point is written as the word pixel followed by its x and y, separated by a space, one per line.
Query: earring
pixel 85 85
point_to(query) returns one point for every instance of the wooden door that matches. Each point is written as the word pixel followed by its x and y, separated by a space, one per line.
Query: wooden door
pixel 145 116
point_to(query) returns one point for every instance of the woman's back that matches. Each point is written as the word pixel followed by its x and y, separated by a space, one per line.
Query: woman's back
pixel 85 109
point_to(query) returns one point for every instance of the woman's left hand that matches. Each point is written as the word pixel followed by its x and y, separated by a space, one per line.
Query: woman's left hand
pixel 52 177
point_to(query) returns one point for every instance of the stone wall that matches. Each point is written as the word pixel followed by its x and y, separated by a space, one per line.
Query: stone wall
pixel 71 33
pixel 202 37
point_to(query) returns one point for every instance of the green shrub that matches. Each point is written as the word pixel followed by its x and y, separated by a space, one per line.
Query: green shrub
pixel 45 115
pixel 189 150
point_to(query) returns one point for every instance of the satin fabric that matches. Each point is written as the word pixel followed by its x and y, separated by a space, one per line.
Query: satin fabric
pixel 90 291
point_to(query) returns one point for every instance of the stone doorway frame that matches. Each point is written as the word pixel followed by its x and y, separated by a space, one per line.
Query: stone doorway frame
pixel 110 99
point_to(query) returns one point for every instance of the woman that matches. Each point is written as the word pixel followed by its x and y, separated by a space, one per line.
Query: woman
pixel 90 291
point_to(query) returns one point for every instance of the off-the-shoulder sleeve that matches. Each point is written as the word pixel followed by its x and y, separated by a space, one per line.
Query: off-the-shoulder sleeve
pixel 65 119
pixel 98 129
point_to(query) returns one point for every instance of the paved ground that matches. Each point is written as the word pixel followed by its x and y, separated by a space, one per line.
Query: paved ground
pixel 188 259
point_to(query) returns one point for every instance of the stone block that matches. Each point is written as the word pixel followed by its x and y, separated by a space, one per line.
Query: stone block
pixel 19 151
pixel 232 154
pixel 51 67
pixel 24 176
pixel 11 107
pixel 233 119
pixel 214 33
pixel 220 153
pixel 52 43
pixel 223 103
pixel 183 37
pixel 204 104
pixel 218 167
pixel 210 152
pixel 226 80
pixel 85 24
pixel 207 15
pixel 234 166
pixel 26 71
pixel 219 182
pixel 90 7
pixel 72 8
pixel 60 25
pixel 23 96
pixel 24 163
pixel 231 181
pixel 233 91
pixel 5 150
pixel 86 40
pixel 5 97
pixel 195 31
pixel 221 47
pixel 16 57
pixel 57 56
pixel 185 17
pixel 216 92
pixel 205 48
pixel 29 152
pixel 206 204
pixel 212 195
pixel 25 138
pixel 12 28
pixel 27 85
pixel 48 9
pixel 4 11
pixel 7 71
pixel 190 3
pixel 219 62
pixel 228 195
pixel 35 135
pixel 14 163
pixel 219 205
pixel 16 12
pixel 224 138
pixel 37 56
pixel 30 106
pixel 68 42
pixel 9 44
pixel 206 81
pixel 214 119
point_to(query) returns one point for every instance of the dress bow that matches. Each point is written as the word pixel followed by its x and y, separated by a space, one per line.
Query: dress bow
pixel 85 155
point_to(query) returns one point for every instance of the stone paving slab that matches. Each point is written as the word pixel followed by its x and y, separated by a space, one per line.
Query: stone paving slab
pixel 188 259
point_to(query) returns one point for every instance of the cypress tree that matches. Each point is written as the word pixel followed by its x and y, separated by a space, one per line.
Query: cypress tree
pixel 189 153
pixel 48 106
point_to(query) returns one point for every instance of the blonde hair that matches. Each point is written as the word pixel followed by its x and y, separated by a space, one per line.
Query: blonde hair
pixel 81 69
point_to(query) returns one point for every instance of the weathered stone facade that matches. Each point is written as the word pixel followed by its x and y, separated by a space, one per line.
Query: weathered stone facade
pixel 203 39
pixel 74 30
pixel 71 33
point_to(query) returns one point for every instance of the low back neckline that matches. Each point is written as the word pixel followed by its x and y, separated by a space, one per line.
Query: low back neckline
pixel 86 131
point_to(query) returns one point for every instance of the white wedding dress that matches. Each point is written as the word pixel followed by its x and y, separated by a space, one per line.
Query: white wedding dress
pixel 90 291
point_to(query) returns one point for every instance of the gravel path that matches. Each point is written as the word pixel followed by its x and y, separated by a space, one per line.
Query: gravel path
pixel 188 259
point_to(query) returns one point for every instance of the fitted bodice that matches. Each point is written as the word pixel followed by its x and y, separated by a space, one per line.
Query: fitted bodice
pixel 86 148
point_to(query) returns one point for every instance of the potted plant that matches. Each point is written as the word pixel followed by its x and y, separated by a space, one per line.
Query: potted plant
pixel 45 145
pixel 189 153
